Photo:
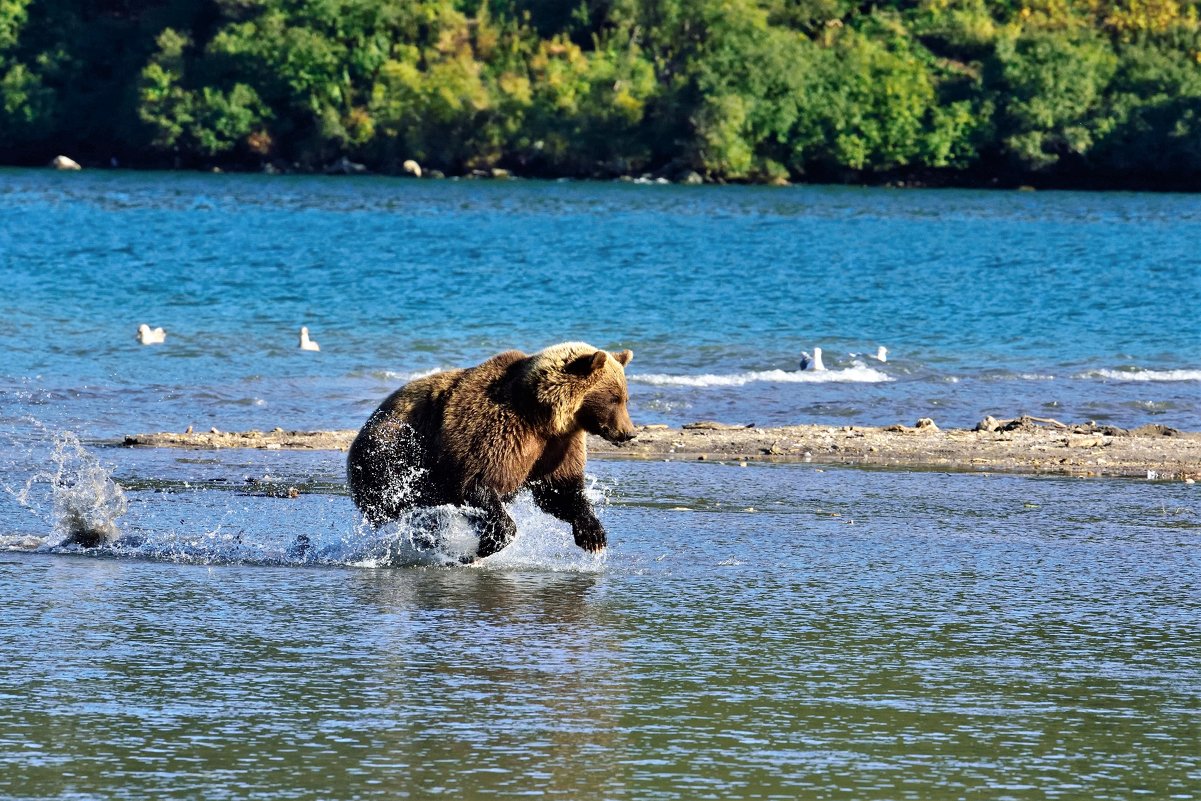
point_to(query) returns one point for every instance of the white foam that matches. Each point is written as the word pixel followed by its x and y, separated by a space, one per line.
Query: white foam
pixel 84 500
pixel 412 375
pixel 441 536
pixel 436 536
pixel 1145 375
pixel 856 374
pixel 445 536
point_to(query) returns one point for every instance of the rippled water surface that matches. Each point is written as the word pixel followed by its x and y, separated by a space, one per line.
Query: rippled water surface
pixel 761 632
pixel 751 633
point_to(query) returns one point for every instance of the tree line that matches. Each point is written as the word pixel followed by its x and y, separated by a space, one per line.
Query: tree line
pixel 1058 92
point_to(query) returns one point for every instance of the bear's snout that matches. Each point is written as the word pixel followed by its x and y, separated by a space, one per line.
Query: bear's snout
pixel 618 437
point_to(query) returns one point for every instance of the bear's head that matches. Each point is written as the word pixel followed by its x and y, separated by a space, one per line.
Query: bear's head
pixel 605 409
pixel 583 387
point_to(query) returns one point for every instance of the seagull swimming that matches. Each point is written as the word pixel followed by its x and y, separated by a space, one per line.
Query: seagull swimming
pixel 151 336
pixel 305 342
pixel 881 354
pixel 812 363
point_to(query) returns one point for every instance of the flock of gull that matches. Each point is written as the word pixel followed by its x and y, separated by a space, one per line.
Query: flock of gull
pixel 157 336
pixel 810 363
pixel 813 363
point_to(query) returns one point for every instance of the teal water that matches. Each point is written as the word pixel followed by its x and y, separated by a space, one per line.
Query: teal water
pixel 762 632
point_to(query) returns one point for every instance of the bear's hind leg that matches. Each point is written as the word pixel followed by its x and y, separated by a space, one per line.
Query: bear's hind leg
pixel 495 526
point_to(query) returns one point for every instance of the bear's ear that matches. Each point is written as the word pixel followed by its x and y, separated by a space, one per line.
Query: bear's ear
pixel 624 358
pixel 587 364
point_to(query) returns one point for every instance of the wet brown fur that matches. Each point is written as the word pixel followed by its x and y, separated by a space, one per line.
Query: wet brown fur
pixel 474 437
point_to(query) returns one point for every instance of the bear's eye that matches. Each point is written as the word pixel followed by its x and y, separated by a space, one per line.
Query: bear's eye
pixel 616 399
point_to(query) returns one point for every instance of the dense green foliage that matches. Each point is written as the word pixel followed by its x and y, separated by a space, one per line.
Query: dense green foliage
pixel 1099 91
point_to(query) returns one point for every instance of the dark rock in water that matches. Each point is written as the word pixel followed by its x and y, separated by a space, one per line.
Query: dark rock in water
pixel 345 166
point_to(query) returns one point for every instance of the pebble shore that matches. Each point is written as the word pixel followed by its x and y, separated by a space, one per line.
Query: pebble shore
pixel 1023 445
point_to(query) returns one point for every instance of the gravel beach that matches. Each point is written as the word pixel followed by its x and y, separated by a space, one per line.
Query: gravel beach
pixel 1022 445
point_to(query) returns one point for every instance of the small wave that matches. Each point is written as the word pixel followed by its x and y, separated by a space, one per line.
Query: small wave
pixel 1145 375
pixel 857 374
pixel 409 375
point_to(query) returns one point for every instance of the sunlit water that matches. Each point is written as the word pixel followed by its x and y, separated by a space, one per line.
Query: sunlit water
pixel 1070 305
pixel 760 632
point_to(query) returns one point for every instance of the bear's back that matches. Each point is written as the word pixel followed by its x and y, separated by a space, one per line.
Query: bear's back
pixel 389 458
pixel 415 438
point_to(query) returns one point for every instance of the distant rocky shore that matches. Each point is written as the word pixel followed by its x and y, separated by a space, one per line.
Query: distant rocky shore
pixel 1022 445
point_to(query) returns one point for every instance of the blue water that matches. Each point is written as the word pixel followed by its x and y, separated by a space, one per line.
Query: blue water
pixel 1071 305
pixel 771 631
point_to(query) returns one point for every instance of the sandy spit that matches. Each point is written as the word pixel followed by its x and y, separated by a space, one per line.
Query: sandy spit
pixel 1017 446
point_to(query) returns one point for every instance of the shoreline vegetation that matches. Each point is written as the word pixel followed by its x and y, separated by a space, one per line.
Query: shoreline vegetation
pixel 1041 93
pixel 1023 445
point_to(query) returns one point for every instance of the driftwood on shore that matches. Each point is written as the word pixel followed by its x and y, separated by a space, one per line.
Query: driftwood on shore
pixel 1024 445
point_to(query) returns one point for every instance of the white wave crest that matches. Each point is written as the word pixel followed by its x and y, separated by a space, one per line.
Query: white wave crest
pixel 1145 375
pixel 857 374
pixel 410 375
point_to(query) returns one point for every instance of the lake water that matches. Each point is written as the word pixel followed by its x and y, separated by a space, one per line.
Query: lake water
pixel 775 631
pixel 1069 305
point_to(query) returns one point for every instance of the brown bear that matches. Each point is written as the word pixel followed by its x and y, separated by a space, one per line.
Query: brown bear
pixel 474 437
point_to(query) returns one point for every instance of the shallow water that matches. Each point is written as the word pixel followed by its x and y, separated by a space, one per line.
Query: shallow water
pixel 760 632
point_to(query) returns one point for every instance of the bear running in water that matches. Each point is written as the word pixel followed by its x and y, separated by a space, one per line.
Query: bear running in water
pixel 474 437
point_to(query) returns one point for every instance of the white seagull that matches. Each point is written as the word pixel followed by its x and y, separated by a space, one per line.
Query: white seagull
pixel 881 354
pixel 305 342
pixel 812 363
pixel 151 336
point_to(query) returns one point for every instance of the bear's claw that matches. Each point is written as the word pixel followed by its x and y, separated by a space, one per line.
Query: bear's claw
pixel 590 535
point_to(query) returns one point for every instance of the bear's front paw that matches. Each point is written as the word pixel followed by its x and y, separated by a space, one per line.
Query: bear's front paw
pixel 589 534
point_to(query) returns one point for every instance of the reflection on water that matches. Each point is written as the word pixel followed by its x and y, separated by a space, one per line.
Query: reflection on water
pixel 858 634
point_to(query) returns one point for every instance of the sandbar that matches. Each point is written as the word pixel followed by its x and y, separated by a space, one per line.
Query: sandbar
pixel 1022 445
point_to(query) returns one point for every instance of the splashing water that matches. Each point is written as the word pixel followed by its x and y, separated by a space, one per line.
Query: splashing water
pixel 184 521
pixel 85 502
pixel 446 536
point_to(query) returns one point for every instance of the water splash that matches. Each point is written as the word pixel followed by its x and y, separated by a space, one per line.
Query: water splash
pixel 75 503
pixel 84 501
pixel 446 536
